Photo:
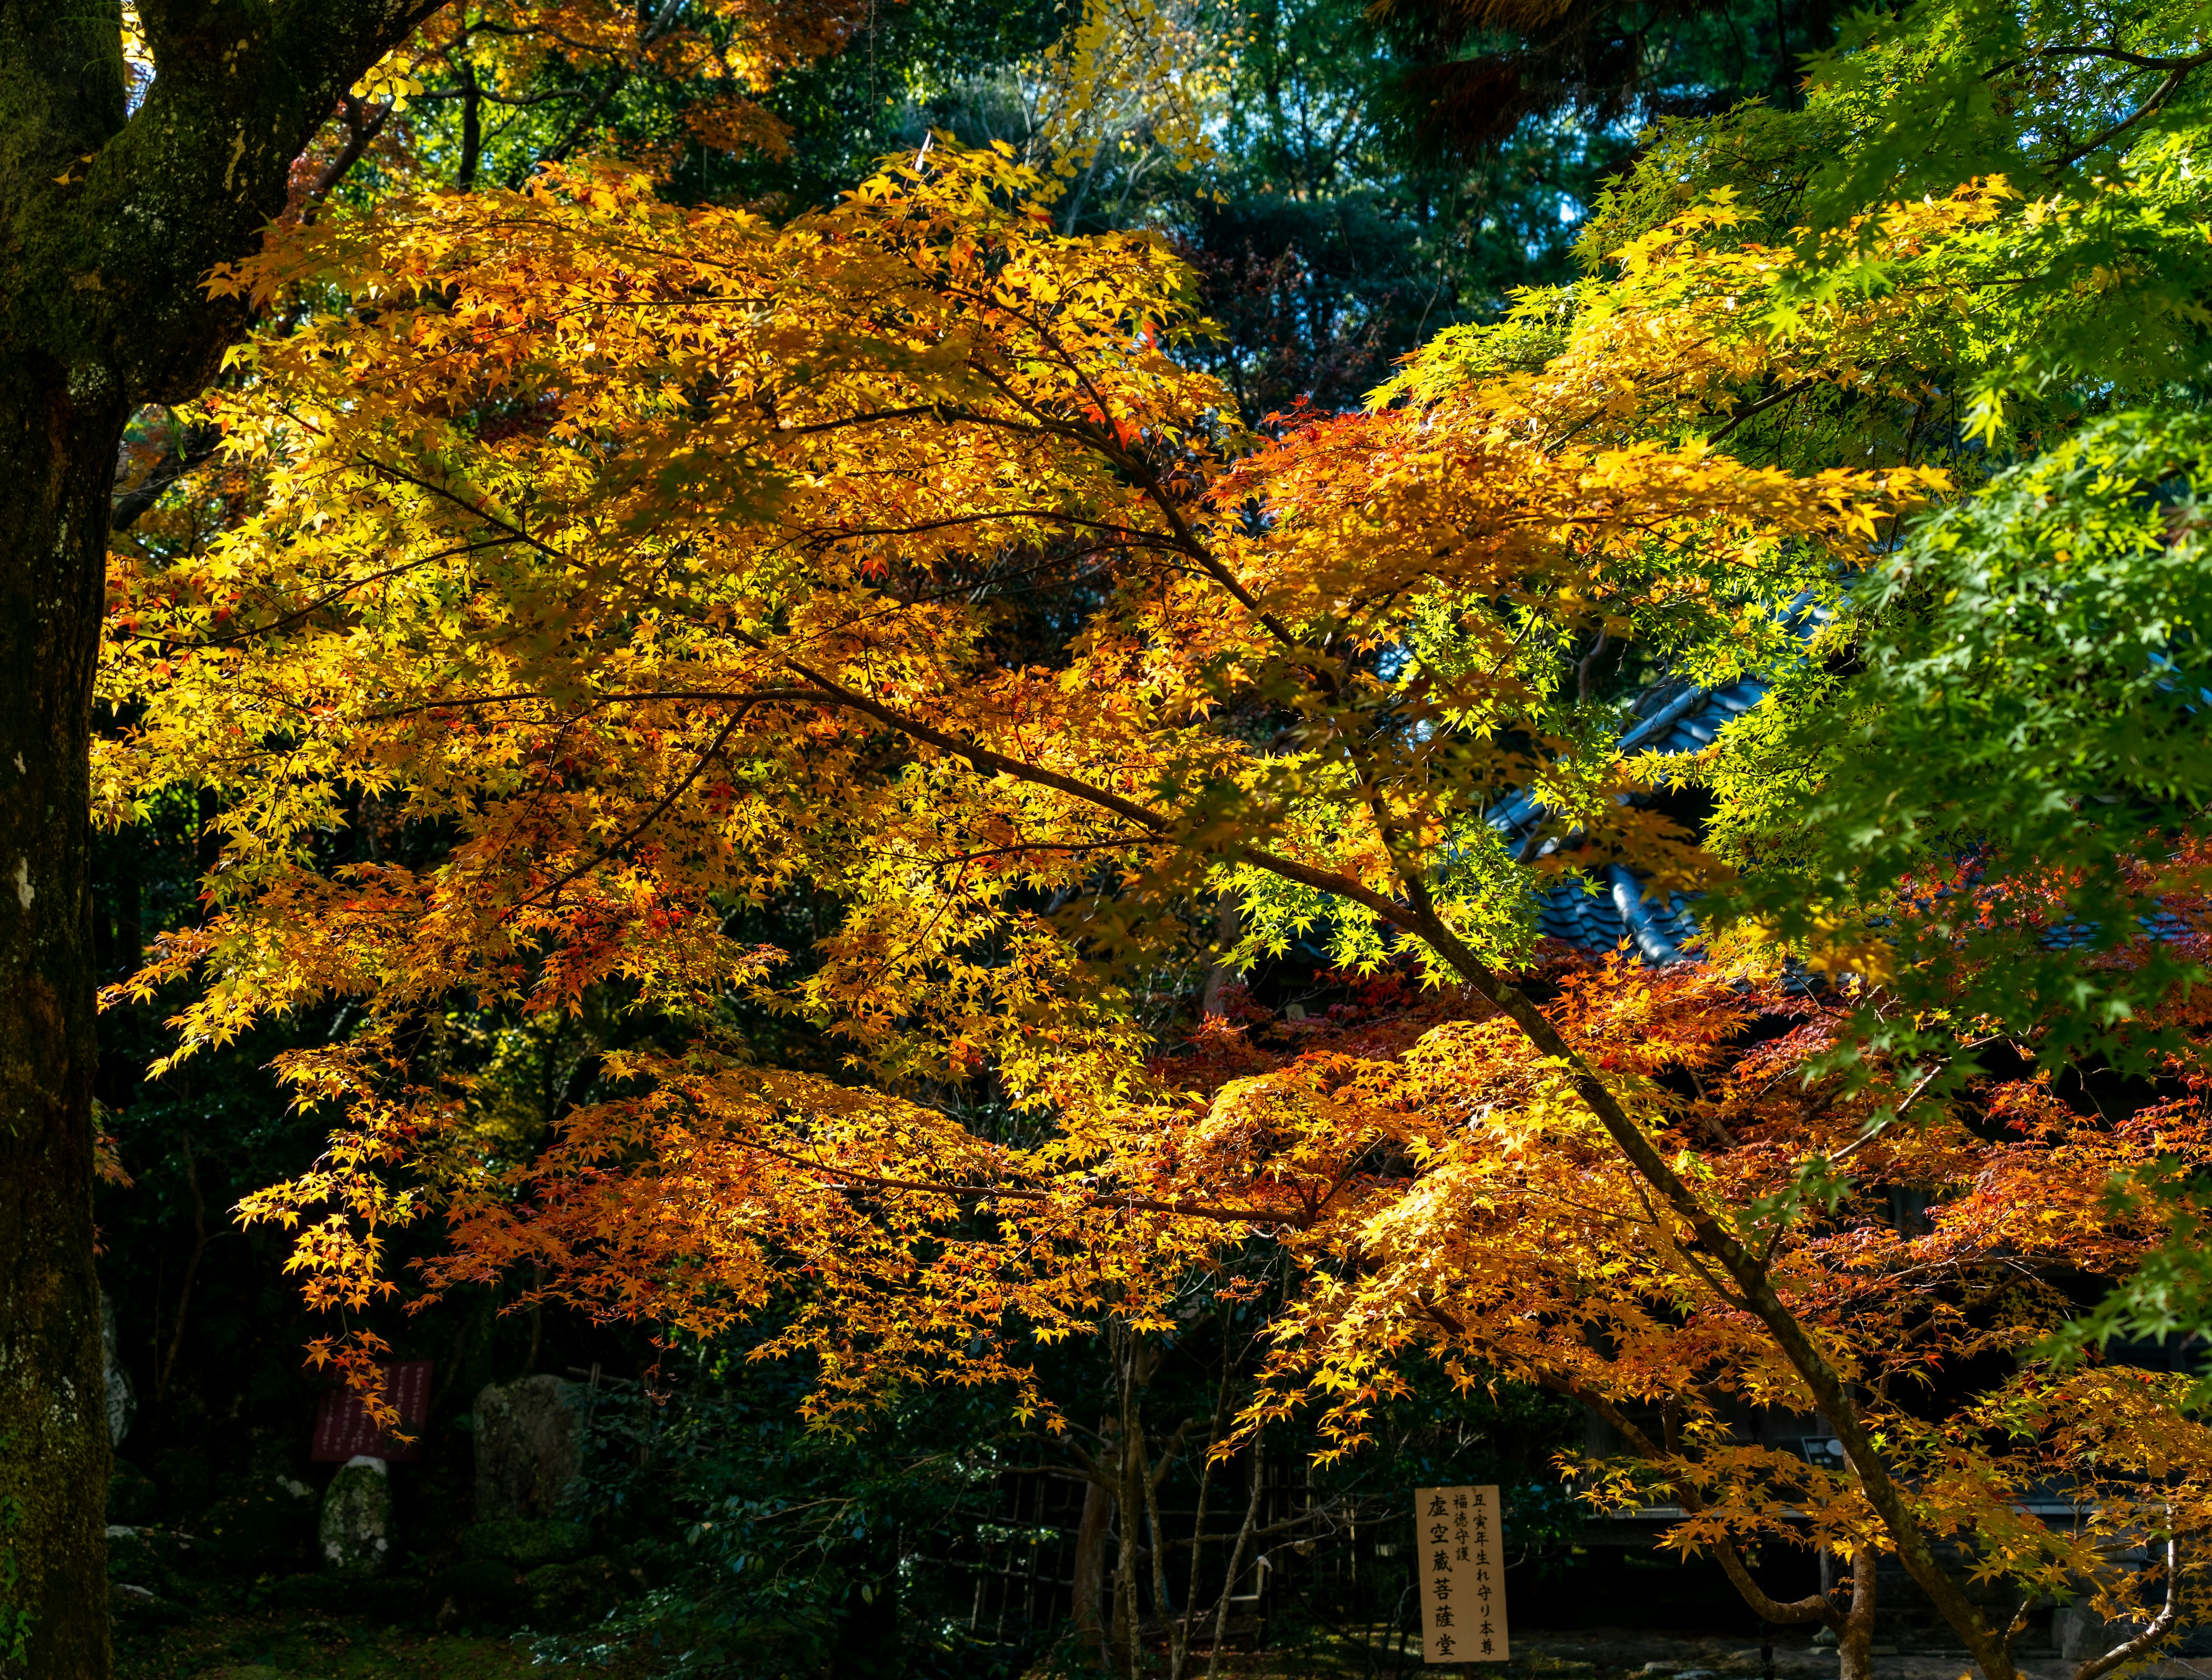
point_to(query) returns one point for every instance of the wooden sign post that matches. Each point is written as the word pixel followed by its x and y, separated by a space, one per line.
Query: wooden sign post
pixel 1459 1558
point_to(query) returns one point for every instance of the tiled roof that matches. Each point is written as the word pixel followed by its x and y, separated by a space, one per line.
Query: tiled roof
pixel 1595 923
pixel 1669 717
pixel 1680 717
pixel 2072 935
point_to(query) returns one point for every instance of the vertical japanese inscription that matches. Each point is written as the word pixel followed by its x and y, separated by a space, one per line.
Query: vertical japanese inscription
pixel 1460 1553
pixel 1484 1572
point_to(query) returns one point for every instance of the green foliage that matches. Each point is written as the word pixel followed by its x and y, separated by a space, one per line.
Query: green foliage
pixel 2084 279
pixel 2022 749
pixel 774 1549
pixel 2047 93
pixel 2169 1297
pixel 16 1618
pixel 1916 100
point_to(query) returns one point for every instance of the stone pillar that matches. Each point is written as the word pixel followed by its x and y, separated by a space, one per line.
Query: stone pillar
pixel 122 1398
pixel 355 1533
pixel 529 1446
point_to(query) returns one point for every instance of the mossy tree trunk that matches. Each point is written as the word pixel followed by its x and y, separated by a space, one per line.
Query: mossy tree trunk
pixel 109 219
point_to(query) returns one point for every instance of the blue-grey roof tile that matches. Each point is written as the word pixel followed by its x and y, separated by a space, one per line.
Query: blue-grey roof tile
pixel 1677 717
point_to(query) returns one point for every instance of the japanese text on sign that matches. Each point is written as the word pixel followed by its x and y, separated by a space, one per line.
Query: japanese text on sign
pixel 344 1429
pixel 1459 1558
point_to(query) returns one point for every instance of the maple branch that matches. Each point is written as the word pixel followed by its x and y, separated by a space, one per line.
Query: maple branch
pixel 1186 541
pixel 652 816
pixel 865 418
pixel 467 702
pixel 195 449
pixel 658 24
pixel 1245 1534
pixel 1674 1251
pixel 361 135
pixel 1815 1607
pixel 1761 1298
pixel 1180 1654
pixel 1125 536
pixel 317 604
pixel 979 757
pixel 1071 848
pixel 2163 92
pixel 2140 61
pixel 2018 1622
pixel 462 502
pixel 1766 402
pixel 1645 1446
pixel 2160 1625
pixel 1101 442
pixel 616 83
pixel 1149 1479
pixel 191 1271
pixel 1781 1227
pixel 1793 1612
pixel 1002 581
pixel 1912 1097
pixel 1074 366
pixel 1090 1470
pixel 1135 1204
pixel 1561 440
pixel 1417 891
pixel 432 96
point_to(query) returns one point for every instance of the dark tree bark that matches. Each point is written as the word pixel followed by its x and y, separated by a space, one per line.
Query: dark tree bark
pixel 109 221
pixel 1090 1536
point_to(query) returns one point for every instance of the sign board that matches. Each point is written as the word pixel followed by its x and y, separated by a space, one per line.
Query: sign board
pixel 344 1430
pixel 1458 1562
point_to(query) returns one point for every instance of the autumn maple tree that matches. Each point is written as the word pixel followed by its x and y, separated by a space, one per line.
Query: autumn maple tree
pixel 646 563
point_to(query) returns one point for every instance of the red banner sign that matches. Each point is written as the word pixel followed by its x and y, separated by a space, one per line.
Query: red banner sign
pixel 343 1428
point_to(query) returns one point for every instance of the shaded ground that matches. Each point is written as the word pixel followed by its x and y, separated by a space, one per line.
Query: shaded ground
pixel 277 1643
pixel 275 1646
pixel 1620 1653
pixel 1610 1653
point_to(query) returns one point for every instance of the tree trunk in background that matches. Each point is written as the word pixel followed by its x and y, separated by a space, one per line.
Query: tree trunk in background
pixel 1854 1645
pixel 1220 977
pixel 109 221
pixel 1091 1530
pixel 1237 1558
pixel 57 444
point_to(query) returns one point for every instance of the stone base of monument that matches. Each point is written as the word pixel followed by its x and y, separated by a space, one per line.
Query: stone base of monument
pixel 355 1537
